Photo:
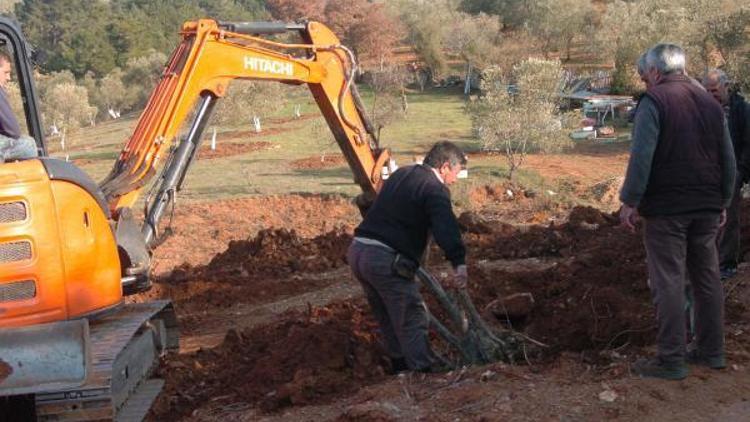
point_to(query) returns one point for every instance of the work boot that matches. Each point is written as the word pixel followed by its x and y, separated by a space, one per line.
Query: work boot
pixel 656 368
pixel 694 357
pixel 727 272
pixel 398 365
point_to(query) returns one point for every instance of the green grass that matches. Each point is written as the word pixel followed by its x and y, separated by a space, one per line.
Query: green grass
pixel 433 115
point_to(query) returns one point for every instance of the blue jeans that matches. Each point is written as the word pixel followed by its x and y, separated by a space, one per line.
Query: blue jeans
pixel 17 149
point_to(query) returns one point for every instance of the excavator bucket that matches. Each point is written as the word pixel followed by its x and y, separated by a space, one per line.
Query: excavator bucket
pixel 44 357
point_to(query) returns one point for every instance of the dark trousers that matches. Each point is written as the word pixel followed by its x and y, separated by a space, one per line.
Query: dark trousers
pixel 396 303
pixel 729 236
pixel 681 248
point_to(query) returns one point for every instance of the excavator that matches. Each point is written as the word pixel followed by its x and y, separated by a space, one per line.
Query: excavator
pixel 71 346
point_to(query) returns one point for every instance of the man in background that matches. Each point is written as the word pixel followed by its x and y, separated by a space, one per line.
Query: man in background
pixel 737 112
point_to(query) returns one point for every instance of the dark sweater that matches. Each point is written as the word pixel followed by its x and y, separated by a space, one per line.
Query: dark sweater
pixel 8 123
pixel 412 203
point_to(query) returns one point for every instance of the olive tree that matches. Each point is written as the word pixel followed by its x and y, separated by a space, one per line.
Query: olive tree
pixel 473 38
pixel 516 121
pixel 630 27
pixel 389 102
pixel 557 23
pixel 249 101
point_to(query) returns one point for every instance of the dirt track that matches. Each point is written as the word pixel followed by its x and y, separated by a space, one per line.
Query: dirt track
pixel 273 326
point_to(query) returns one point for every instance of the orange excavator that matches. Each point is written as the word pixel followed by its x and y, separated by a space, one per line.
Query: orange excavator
pixel 71 249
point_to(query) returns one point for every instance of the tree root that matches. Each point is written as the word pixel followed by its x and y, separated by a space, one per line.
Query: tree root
pixel 475 341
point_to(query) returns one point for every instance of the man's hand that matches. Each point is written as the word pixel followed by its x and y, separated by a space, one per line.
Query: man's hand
pixel 629 217
pixel 460 278
pixel 723 218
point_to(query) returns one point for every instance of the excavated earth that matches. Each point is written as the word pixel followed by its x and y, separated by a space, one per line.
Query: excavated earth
pixel 274 327
pixel 227 149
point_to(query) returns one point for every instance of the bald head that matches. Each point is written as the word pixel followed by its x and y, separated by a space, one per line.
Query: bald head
pixel 716 83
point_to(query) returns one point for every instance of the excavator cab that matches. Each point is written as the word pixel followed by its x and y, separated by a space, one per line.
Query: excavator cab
pixel 67 346
pixel 53 221
pixel 15 45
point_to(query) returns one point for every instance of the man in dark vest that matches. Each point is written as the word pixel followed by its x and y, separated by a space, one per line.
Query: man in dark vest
pixel 737 111
pixel 390 242
pixel 680 179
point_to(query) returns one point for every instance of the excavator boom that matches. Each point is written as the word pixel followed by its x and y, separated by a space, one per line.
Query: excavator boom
pixel 213 54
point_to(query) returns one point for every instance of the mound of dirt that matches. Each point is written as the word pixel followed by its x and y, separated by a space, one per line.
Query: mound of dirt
pixel 318 162
pixel 228 149
pixel 595 295
pixel 278 252
pixel 204 229
pixel 303 359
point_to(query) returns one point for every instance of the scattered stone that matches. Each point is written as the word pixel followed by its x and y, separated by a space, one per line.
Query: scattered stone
pixel 608 396
pixel 487 375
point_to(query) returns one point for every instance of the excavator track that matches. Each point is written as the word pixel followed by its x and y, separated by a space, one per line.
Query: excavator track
pixel 125 349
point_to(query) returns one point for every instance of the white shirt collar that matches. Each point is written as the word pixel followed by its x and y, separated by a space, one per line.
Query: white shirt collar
pixel 437 174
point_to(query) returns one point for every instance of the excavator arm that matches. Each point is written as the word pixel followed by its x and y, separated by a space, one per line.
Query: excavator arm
pixel 213 54
pixel 210 56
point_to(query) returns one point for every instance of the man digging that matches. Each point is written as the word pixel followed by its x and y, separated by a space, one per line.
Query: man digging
pixel 389 243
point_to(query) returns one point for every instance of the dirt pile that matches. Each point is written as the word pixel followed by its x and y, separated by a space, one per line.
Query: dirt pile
pixel 228 149
pixel 576 287
pixel 276 263
pixel 279 252
pixel 592 295
pixel 306 358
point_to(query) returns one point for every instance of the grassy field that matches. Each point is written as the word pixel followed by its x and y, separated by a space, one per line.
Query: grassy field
pixel 434 115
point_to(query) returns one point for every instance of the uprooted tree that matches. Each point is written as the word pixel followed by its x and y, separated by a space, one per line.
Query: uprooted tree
pixel 475 341
pixel 520 117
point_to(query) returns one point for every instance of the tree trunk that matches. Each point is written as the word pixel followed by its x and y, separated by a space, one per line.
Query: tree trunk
pixel 467 82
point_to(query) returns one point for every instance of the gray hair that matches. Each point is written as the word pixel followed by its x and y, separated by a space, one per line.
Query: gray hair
pixel 666 58
pixel 716 75
pixel 640 64
pixel 443 152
